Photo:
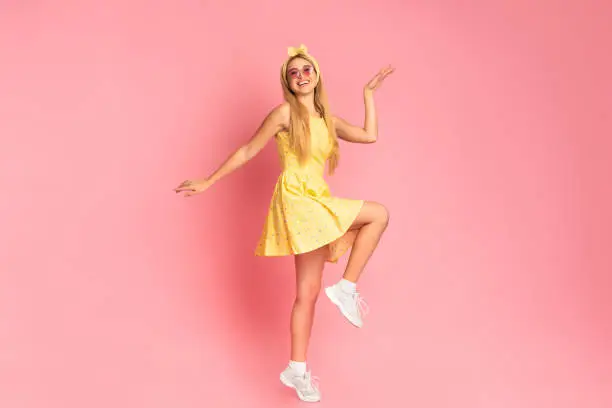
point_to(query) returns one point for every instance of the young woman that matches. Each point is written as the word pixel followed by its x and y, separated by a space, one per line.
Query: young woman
pixel 304 219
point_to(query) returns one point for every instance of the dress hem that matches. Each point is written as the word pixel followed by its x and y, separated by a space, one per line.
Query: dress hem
pixel 331 260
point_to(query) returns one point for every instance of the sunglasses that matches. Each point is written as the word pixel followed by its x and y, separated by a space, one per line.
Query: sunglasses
pixel 306 72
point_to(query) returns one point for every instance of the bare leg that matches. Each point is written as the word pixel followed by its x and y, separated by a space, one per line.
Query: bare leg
pixel 309 271
pixel 371 222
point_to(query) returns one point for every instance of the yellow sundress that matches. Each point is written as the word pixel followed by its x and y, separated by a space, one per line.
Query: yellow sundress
pixel 303 216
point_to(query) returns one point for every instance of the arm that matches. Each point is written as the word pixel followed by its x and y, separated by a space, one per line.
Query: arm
pixel 355 134
pixel 277 120
pixel 369 132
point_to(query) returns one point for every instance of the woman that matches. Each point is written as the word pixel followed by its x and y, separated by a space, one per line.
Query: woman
pixel 304 220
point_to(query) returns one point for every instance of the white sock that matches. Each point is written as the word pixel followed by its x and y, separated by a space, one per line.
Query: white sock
pixel 347 286
pixel 298 366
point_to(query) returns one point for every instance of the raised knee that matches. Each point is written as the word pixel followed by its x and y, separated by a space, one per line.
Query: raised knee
pixel 383 216
pixel 387 216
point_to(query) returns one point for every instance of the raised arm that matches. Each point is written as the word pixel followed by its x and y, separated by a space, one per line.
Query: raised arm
pixel 355 134
pixel 275 121
pixel 369 132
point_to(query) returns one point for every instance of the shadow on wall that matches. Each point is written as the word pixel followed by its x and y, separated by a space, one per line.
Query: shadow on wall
pixel 256 292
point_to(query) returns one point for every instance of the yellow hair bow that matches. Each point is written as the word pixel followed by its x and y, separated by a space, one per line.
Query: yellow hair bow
pixel 301 50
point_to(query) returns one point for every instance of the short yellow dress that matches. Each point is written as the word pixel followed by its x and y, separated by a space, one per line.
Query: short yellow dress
pixel 303 215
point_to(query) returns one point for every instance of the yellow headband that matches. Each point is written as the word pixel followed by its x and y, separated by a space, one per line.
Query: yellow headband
pixel 300 51
pixel 293 51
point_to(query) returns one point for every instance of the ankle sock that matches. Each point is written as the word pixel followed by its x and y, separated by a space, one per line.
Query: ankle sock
pixel 298 366
pixel 348 286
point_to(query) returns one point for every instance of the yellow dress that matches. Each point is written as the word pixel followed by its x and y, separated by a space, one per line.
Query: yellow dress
pixel 303 216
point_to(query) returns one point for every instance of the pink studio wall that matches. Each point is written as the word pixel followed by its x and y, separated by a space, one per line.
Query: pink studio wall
pixel 490 289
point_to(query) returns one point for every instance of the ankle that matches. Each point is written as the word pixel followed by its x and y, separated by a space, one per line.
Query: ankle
pixel 347 285
pixel 298 366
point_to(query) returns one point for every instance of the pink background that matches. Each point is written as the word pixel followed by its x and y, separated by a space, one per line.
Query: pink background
pixel 491 287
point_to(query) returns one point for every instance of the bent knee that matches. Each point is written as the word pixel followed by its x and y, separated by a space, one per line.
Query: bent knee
pixel 382 215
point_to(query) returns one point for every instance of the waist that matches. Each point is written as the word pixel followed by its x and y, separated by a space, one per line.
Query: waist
pixel 310 166
pixel 304 171
pixel 303 181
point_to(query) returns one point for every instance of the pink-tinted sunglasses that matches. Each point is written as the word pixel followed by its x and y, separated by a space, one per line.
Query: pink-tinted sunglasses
pixel 306 72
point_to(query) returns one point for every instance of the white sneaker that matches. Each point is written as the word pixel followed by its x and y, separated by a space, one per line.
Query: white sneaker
pixel 351 305
pixel 304 384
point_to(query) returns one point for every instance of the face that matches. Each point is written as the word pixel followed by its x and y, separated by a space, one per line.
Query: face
pixel 301 76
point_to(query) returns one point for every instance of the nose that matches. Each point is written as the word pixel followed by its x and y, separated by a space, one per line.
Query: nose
pixel 299 74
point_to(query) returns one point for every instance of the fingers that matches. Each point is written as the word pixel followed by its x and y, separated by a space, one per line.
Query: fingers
pixel 185 186
pixel 377 80
pixel 388 71
pixel 374 81
pixel 188 193
pixel 191 193
pixel 188 188
pixel 182 189
pixel 385 72
pixel 380 77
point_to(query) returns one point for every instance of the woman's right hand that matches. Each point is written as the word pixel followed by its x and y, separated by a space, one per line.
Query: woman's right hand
pixel 277 120
pixel 192 187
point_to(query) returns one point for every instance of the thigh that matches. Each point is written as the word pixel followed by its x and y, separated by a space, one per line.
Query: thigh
pixel 309 270
pixel 370 212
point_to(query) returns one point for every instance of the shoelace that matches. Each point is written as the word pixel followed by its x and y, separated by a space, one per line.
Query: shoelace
pixel 362 305
pixel 311 381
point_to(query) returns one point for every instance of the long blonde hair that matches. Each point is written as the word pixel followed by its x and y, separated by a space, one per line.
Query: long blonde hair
pixel 299 124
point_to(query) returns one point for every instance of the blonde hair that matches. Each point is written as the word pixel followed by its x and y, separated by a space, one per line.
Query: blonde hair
pixel 299 124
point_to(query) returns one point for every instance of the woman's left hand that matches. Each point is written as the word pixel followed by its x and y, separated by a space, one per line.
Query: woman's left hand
pixel 378 79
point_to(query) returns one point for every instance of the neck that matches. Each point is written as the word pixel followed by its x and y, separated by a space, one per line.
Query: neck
pixel 308 102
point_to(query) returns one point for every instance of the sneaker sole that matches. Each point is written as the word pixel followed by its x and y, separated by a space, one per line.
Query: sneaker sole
pixel 330 294
pixel 299 394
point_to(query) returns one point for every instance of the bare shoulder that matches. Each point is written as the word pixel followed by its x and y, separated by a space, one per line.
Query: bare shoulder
pixel 276 121
pixel 281 115
pixel 284 109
